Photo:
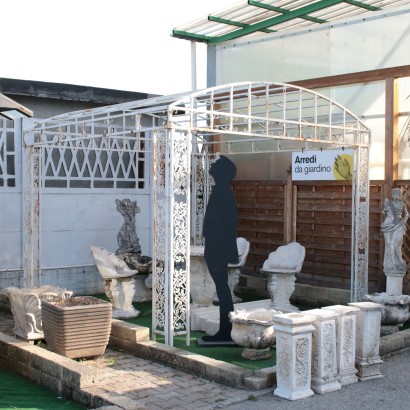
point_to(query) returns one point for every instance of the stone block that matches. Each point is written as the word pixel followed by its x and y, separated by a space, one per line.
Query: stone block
pixel 318 294
pixel 394 342
pixel 129 331
pixel 26 371
pixel 336 296
pixel 78 375
pixel 255 382
pixel 300 290
pixel 256 283
pixel 269 373
pixel 226 373
pixel 406 336
pixel 52 383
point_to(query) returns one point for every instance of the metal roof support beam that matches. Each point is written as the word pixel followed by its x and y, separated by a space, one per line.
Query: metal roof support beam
pixel 234 23
pixel 283 11
pixel 362 5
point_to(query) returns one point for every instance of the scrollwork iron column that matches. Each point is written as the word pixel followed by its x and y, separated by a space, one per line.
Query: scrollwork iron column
pixel 360 226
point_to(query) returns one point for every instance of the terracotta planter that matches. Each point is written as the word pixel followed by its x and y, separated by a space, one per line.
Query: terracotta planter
pixel 77 327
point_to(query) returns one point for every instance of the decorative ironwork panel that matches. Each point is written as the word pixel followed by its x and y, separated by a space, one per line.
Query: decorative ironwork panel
pixel 159 296
pixel 31 217
pixel 360 224
pixel 171 234
pixel 202 184
pixel 181 148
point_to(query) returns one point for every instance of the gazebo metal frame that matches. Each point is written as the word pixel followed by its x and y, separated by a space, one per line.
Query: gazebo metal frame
pixel 182 133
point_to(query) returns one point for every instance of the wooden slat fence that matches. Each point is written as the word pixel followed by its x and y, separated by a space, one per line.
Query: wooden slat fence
pixel 318 216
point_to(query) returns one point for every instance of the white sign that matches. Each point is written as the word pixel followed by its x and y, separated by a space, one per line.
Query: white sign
pixel 323 165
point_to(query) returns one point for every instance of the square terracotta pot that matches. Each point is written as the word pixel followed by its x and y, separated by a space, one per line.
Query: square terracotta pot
pixel 77 327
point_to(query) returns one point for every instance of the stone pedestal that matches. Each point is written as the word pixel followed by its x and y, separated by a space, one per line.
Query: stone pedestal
pixel 281 286
pixel 201 283
pixel 120 291
pixel 324 366
pixel 368 340
pixel 345 342
pixel 281 268
pixel 394 283
pixel 293 355
pixel 25 306
pixel 142 292
pixel 119 282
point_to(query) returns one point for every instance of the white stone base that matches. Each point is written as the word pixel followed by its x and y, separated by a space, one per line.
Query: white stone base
pixel 125 314
pixel 142 292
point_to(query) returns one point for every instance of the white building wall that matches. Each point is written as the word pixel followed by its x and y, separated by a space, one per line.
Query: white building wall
pixel 71 221
pixel 353 45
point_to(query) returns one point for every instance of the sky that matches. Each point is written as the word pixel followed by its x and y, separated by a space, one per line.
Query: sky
pixel 120 44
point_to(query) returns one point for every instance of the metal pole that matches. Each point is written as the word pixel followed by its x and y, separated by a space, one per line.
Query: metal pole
pixel 194 84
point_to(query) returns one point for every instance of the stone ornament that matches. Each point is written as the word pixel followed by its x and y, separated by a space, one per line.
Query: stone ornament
pixel 395 308
pixel 346 342
pixel 25 306
pixel 234 269
pixel 202 287
pixel 119 282
pixel 129 249
pixel 324 365
pixel 281 268
pixel 293 355
pixel 128 241
pixel 368 340
pixel 394 228
pixel 254 331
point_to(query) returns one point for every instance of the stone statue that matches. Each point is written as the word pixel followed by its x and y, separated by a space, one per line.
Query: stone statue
pixel 129 245
pixel 127 238
pixel 394 228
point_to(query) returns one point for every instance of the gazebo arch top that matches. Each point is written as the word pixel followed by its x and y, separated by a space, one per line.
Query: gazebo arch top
pixel 244 116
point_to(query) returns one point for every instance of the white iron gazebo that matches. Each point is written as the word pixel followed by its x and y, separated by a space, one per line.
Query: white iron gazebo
pixel 181 134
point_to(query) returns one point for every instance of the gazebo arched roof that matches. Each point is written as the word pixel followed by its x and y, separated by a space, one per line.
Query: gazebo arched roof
pixel 244 113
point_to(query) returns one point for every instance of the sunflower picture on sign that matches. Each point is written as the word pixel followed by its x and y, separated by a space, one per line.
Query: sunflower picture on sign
pixel 343 167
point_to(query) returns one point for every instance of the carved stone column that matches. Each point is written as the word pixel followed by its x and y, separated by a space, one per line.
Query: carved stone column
pixel 293 355
pixel 346 342
pixel 281 286
pixel 324 366
pixel 368 340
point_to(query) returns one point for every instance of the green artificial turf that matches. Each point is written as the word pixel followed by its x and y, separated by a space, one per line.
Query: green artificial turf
pixel 17 392
pixel 226 354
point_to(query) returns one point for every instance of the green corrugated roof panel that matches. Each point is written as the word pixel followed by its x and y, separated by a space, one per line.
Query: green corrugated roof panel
pixel 267 16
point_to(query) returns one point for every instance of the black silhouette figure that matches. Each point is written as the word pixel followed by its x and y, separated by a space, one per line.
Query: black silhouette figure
pixel 219 231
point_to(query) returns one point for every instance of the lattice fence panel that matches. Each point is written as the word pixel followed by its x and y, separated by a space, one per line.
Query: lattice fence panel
pixel 102 162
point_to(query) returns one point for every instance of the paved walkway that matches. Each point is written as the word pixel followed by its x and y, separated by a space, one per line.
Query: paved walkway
pixel 161 387
pixel 133 382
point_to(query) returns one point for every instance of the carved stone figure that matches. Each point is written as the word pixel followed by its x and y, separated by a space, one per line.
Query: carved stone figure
pixel 129 248
pixel 128 241
pixel 394 228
